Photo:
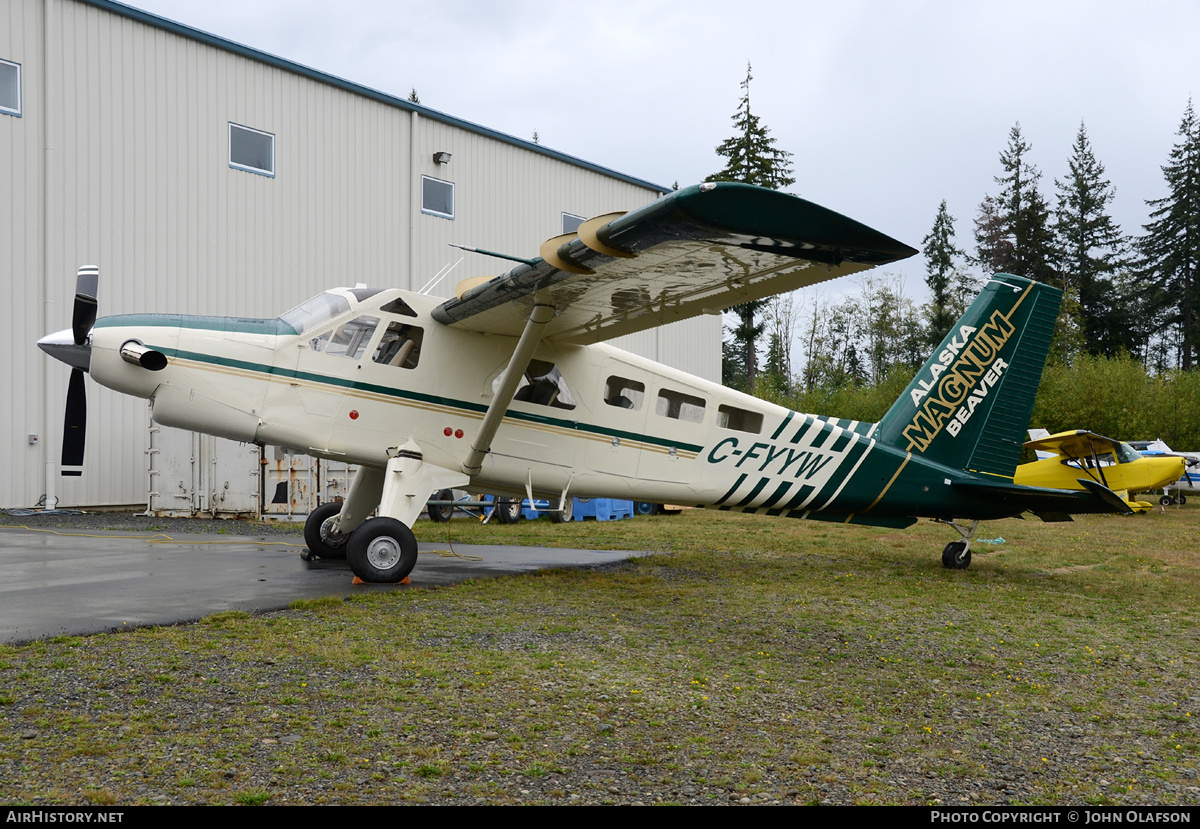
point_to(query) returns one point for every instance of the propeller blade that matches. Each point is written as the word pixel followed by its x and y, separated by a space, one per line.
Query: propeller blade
pixel 74 426
pixel 84 314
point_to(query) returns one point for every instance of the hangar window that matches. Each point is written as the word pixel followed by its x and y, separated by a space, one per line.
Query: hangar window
pixel 739 420
pixel 625 394
pixel 251 150
pixel 680 406
pixel 400 346
pixel 571 222
pixel 10 88
pixel 437 197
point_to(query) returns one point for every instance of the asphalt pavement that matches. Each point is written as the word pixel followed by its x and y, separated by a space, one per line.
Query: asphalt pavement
pixel 64 582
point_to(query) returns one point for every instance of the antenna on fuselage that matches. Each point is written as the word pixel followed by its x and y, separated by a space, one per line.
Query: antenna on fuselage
pixel 439 276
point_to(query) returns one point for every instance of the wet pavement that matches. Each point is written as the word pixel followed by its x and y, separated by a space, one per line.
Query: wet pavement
pixel 58 582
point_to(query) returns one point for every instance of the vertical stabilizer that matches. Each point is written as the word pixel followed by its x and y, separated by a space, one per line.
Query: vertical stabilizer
pixel 969 405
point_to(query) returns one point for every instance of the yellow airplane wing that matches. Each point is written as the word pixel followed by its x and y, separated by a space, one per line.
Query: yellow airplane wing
pixel 698 250
pixel 1076 444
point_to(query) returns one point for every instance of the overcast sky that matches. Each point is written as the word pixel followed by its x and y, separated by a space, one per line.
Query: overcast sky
pixel 888 107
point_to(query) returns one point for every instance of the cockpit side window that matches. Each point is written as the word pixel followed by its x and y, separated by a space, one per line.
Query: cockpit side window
pixel 348 341
pixel 542 384
pixel 400 346
pixel 321 308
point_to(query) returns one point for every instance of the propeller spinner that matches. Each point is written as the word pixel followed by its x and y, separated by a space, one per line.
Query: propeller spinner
pixel 72 346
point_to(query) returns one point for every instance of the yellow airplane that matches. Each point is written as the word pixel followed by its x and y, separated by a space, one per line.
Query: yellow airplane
pixel 1115 465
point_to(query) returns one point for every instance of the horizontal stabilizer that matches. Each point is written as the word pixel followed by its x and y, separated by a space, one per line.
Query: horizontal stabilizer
pixel 1048 504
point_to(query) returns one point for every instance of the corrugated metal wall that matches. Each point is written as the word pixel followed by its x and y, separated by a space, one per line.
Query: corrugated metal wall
pixel 121 160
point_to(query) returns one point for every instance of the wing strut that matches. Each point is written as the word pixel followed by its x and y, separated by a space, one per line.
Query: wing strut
pixel 530 337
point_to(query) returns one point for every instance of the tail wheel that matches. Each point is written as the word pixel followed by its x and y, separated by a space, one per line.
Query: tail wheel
pixel 322 541
pixel 382 551
pixel 956 556
pixel 646 508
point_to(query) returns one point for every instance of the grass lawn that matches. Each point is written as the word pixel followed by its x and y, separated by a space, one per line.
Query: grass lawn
pixel 749 659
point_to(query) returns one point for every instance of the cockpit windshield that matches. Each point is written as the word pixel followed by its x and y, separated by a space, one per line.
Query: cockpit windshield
pixel 1127 454
pixel 315 311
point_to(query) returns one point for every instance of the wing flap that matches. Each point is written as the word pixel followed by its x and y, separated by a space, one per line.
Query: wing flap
pixel 698 250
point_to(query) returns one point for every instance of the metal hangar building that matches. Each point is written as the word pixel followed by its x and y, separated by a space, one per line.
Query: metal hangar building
pixel 205 177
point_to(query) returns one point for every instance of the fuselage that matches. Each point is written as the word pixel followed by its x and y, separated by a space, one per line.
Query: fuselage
pixel 355 372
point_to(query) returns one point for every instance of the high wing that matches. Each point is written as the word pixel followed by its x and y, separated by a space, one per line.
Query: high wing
pixel 1077 444
pixel 697 250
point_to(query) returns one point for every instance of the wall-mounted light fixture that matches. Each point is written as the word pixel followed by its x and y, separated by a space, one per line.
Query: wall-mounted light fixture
pixel 441 158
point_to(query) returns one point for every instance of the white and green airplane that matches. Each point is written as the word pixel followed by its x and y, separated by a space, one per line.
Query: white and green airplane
pixel 509 387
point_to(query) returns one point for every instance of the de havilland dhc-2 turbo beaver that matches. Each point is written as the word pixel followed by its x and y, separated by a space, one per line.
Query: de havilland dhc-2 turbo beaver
pixel 509 388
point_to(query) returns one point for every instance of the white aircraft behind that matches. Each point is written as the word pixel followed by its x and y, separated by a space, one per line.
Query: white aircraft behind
pixel 508 388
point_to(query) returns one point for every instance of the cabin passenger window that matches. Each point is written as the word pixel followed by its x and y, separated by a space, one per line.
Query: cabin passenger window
pixel 400 346
pixel 739 420
pixel 625 394
pixel 680 406
pixel 542 384
pixel 348 341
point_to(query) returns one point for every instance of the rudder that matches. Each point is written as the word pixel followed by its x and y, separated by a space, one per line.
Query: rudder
pixel 969 405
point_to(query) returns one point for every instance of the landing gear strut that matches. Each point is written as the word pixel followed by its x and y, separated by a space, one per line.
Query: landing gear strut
pixel 957 554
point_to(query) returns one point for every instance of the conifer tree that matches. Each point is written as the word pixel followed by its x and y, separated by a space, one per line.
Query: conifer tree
pixel 941 256
pixel 1013 234
pixel 751 157
pixel 1171 247
pixel 1090 248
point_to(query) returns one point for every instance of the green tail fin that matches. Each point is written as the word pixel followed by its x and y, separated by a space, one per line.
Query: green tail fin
pixel 969 405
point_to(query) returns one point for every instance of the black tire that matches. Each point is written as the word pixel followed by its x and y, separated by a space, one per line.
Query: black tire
pixel 1166 500
pixel 382 551
pixel 646 508
pixel 319 545
pixel 441 513
pixel 1182 499
pixel 508 511
pixel 564 515
pixel 956 556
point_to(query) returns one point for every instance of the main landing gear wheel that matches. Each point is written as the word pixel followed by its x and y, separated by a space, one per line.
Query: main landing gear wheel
pixel 1166 500
pixel 318 533
pixel 440 513
pixel 564 515
pixel 382 551
pixel 508 511
pixel 645 508
pixel 957 555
